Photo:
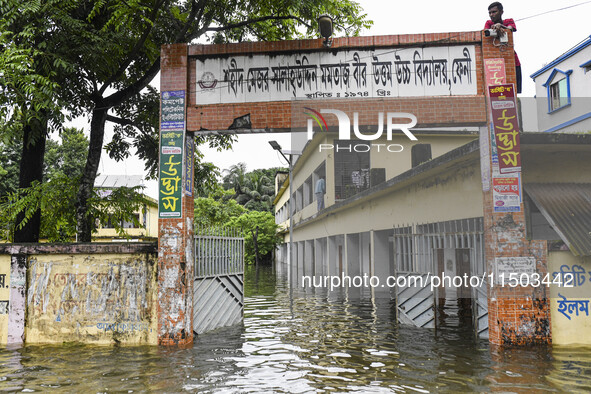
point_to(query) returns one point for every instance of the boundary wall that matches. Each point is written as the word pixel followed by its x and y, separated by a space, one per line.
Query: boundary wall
pixel 90 293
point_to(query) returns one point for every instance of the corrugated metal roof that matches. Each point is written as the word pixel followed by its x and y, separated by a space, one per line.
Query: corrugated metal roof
pixel 115 181
pixel 567 207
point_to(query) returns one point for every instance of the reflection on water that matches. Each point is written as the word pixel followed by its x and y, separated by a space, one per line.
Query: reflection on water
pixel 303 343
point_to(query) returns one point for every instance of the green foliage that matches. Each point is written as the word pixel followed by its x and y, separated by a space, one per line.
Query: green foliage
pixel 68 157
pixel 56 199
pixel 34 61
pixel 286 19
pixel 216 210
pixel 61 158
pixel 10 153
pixel 221 210
pixel 267 238
pixel 70 57
pixel 254 190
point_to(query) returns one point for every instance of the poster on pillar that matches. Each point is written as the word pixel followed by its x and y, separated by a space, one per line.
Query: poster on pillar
pixel 507 193
pixel 506 127
pixel 172 130
pixel 495 71
pixel 189 178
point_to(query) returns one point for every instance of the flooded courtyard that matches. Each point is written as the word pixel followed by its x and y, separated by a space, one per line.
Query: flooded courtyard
pixel 304 342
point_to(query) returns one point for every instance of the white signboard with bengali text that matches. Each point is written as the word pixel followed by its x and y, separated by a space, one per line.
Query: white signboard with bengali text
pixel 508 267
pixel 397 72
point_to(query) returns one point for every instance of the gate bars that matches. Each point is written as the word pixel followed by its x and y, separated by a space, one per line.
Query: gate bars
pixel 218 251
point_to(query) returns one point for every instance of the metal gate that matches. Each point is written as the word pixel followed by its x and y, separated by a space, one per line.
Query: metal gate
pixel 218 291
pixel 415 301
pixel 415 255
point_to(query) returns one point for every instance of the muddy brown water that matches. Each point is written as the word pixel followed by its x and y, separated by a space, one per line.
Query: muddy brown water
pixel 303 343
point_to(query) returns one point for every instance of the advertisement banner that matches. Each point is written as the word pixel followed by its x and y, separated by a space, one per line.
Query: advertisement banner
pixel 172 129
pixel 506 127
pixel 507 193
pixel 189 178
pixel 495 71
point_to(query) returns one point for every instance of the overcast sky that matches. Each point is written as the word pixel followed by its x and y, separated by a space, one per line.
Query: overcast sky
pixel 538 40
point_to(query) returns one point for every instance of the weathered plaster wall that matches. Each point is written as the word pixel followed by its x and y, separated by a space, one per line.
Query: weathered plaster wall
pixel 89 293
pixel 4 297
pixel 93 299
pixel 571 322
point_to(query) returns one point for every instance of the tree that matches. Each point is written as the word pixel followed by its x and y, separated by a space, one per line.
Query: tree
pixel 258 228
pixel 55 197
pixel 260 234
pixel 217 209
pixel 10 154
pixel 32 71
pixel 66 158
pixel 115 46
pixel 254 190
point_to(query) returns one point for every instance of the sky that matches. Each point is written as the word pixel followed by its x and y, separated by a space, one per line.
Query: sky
pixel 539 39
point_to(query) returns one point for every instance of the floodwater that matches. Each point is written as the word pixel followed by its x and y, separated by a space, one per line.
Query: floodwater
pixel 303 343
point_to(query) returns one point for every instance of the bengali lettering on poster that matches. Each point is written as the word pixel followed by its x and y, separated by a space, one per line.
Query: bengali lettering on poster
pixel 507 193
pixel 495 71
pixel 506 127
pixel 172 129
pixel 395 72
pixel 172 111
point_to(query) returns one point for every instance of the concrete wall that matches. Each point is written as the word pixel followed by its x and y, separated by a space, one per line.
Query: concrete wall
pixel 573 324
pixel 4 297
pixel 89 293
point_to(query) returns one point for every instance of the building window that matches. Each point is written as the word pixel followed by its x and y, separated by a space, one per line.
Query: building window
pixel 420 153
pixel 558 86
pixel 559 94
pixel 351 170
pixel 308 191
pixel 300 198
pixel 132 223
pixel 319 172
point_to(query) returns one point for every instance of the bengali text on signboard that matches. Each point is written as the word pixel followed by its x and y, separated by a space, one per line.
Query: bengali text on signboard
pixel 172 128
pixel 396 72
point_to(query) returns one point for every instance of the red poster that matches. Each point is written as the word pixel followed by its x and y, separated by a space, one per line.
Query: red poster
pixel 506 127
pixel 495 71
pixel 506 194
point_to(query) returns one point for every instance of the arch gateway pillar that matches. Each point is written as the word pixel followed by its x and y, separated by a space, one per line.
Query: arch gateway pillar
pixel 175 199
